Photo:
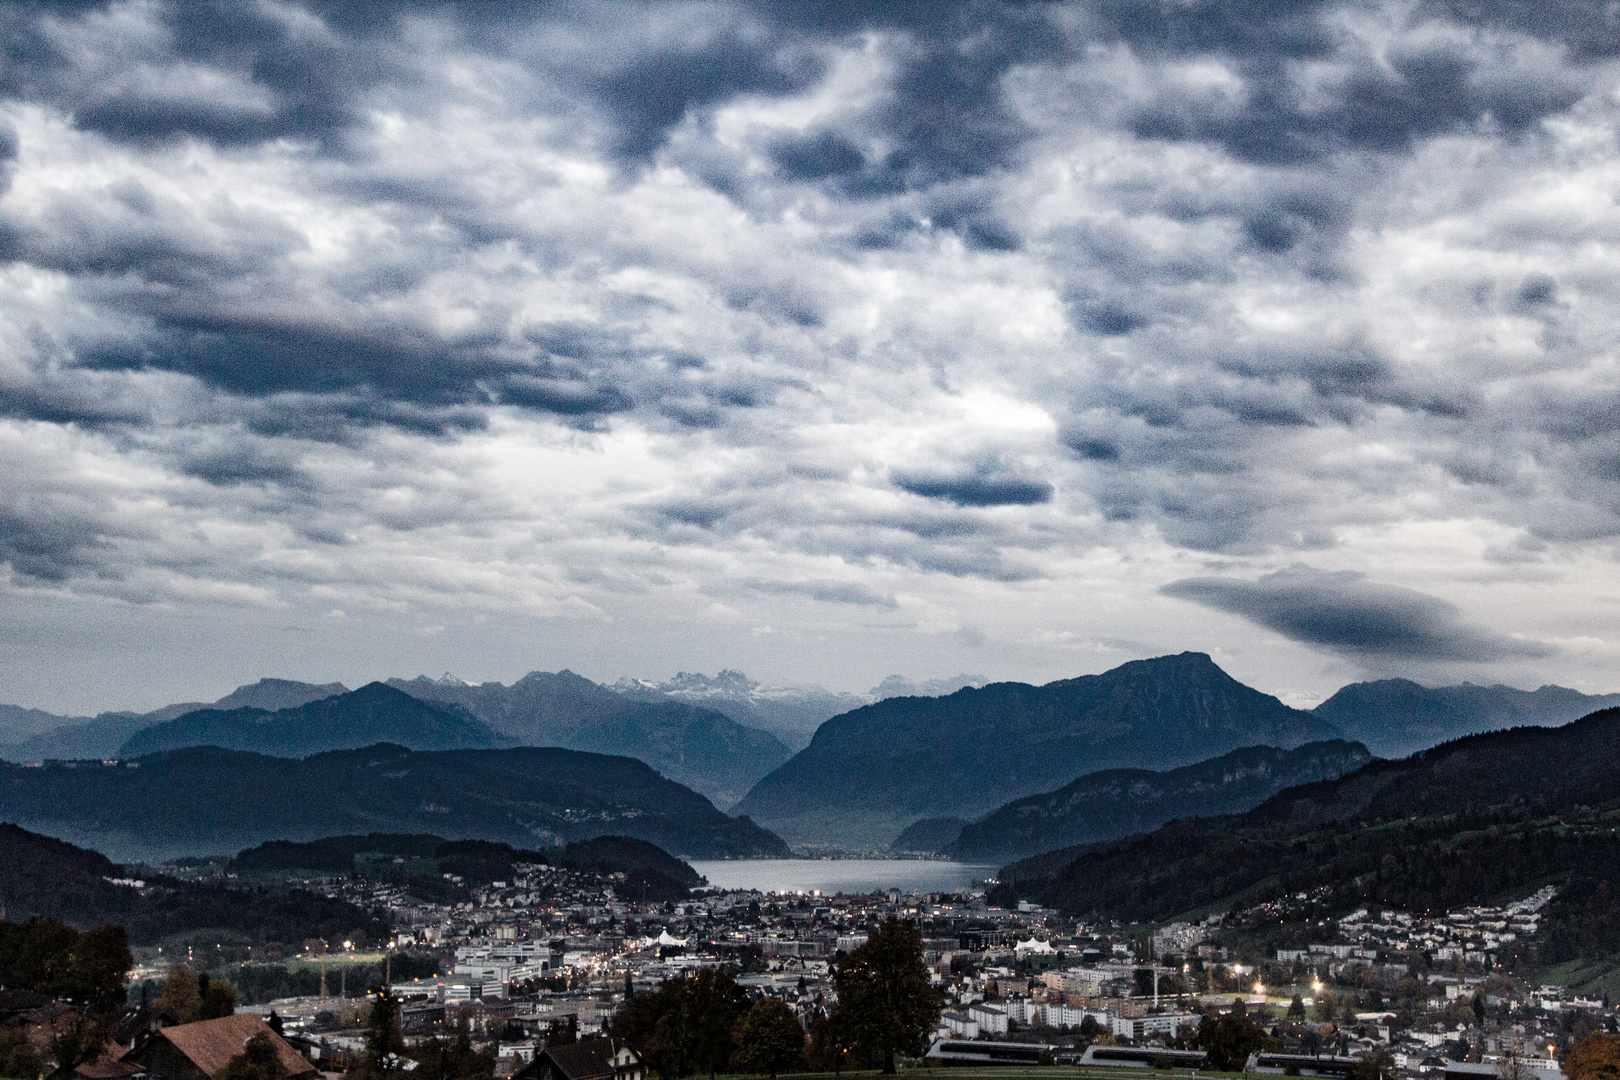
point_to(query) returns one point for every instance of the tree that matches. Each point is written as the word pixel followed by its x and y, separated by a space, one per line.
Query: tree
pixel 385 1039
pixel 80 1039
pixel 34 954
pixel 215 998
pixel 563 1031
pixel 1296 1008
pixel 885 1000
pixel 827 1046
pixel 1596 1057
pixel 1230 1039
pixel 455 1059
pixel 1327 1005
pixel 18 1058
pixel 714 1003
pixel 179 992
pixel 769 1039
pixel 99 964
pixel 684 1026
pixel 259 1060
pixel 53 958
pixel 1375 1065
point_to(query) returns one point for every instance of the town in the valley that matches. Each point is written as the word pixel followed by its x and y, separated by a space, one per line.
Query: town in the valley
pixel 557 974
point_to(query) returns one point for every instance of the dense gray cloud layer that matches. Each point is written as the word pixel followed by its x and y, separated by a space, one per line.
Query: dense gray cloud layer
pixel 829 333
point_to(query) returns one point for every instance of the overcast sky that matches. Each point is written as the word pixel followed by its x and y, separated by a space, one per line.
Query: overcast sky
pixel 821 341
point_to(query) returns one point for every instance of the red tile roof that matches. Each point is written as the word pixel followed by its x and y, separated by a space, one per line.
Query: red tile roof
pixel 211 1044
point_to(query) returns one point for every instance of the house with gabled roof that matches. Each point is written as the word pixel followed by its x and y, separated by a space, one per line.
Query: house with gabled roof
pixel 587 1059
pixel 200 1050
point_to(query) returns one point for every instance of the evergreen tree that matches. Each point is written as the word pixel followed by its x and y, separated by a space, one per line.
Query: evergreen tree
pixel 714 1004
pixel 885 1000
pixel 454 1059
pixel 385 1039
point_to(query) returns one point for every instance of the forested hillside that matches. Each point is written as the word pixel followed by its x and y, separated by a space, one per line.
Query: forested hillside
pixel 1481 819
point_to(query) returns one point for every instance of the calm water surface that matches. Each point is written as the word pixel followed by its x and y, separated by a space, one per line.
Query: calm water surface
pixel 833 876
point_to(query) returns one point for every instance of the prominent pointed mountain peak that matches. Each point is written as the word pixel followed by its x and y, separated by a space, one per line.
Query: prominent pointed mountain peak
pixel 870 772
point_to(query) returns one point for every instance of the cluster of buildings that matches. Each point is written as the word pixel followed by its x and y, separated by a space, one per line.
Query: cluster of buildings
pixel 551 950
pixel 1471 936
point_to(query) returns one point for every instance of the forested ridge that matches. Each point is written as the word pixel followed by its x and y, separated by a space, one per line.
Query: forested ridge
pixel 1484 819
pixel 46 878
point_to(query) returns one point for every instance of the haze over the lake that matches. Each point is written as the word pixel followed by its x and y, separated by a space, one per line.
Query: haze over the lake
pixel 823 341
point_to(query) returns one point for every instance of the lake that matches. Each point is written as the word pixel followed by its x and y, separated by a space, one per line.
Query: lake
pixel 834 876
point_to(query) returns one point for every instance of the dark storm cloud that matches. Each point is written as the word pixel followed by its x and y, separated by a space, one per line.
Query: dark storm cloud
pixel 346 418
pixel 1347 614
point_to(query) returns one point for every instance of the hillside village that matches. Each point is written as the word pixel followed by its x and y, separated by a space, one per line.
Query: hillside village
pixel 547 958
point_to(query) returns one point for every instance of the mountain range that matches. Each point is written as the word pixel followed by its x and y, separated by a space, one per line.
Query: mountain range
pixel 345 721
pixel 1478 819
pixel 1397 717
pixel 699 747
pixel 204 800
pixel 693 745
pixel 869 773
pixel 791 713
pixel 895 760
pixel 1118 802
pixel 33 735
